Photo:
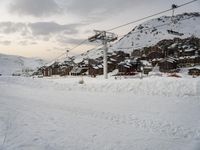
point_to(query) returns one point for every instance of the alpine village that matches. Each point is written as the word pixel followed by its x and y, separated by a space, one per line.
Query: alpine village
pixel 167 55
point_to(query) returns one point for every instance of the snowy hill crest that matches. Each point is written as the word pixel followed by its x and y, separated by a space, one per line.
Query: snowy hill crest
pixel 151 32
pixel 10 64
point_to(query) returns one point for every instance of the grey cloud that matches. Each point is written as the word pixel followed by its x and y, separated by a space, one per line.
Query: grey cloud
pixel 38 28
pixel 100 8
pixel 41 31
pixel 11 27
pixel 6 43
pixel 64 41
pixel 37 8
pixel 93 10
pixel 33 43
pixel 26 42
pixel 47 28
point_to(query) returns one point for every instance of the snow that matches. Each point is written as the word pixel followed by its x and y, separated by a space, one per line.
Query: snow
pixel 155 113
pixel 188 25
pixel 50 64
pixel 189 50
pixel 10 64
pixel 145 62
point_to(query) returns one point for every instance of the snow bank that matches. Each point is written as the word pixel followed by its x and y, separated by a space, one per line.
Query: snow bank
pixel 158 86
pixel 148 86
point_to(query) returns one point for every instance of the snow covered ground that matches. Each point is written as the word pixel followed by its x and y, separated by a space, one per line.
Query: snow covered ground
pixel 10 64
pixel 156 113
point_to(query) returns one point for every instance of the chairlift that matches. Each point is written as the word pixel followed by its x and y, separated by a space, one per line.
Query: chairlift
pixel 174 21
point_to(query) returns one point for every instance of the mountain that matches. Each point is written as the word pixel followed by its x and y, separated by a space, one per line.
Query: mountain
pixel 151 32
pixel 10 64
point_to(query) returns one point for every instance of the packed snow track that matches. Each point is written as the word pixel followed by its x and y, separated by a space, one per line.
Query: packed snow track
pixel 60 114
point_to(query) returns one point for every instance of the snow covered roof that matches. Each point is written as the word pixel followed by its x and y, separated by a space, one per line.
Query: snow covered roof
pixel 145 62
pixel 173 45
pixel 51 63
pixel 126 66
pixel 76 70
pixel 188 57
pixel 189 50
pixel 95 67
pixel 113 59
pixel 169 59
pixel 100 66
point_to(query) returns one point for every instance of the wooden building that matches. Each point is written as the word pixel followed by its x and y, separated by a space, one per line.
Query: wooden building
pixel 77 71
pixel 155 55
pixel 129 67
pixel 168 65
pixel 194 72
pixel 95 70
pixel 51 69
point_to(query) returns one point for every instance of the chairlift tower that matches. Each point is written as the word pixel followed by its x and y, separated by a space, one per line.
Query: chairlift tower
pixel 67 53
pixel 105 37
pixel 174 6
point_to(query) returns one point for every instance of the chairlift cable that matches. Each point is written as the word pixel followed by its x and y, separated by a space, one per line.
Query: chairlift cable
pixel 81 43
pixel 156 14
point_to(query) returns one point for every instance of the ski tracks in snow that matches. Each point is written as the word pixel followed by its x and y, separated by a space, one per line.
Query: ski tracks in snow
pixel 132 120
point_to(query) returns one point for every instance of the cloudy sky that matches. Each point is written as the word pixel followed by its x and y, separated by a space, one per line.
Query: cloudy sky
pixel 46 28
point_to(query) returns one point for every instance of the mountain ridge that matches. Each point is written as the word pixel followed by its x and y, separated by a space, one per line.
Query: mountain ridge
pixel 150 32
pixel 13 64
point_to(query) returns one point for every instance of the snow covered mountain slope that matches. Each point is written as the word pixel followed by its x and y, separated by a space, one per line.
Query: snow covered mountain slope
pixel 151 32
pixel 10 64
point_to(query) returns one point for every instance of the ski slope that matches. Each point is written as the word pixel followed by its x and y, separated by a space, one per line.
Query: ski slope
pixel 60 113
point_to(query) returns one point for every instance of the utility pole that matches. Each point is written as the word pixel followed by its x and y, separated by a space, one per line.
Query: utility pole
pixel 105 37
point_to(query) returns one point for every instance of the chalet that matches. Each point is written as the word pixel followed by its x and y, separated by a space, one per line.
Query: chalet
pixel 156 61
pixel 129 67
pixel 189 52
pixel 96 70
pixel 51 69
pixel 168 65
pixel 194 72
pixel 65 70
pixel 66 66
pixel 77 71
pixel 112 64
pixel 197 60
pixel 39 72
pixel 155 55
pixel 147 67
pixel 119 56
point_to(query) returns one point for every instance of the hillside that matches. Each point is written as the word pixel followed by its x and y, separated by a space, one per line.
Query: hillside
pixel 10 64
pixel 151 32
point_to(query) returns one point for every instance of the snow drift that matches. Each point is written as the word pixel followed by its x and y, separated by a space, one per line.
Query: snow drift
pixel 162 86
